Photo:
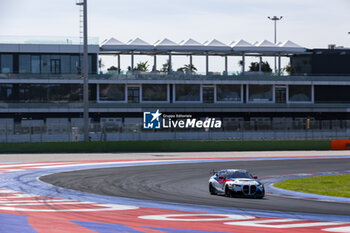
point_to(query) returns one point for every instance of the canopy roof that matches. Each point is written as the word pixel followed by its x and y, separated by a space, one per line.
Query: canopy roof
pixel 191 46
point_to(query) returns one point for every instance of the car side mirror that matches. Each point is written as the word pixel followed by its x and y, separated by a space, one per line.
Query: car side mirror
pixel 221 177
pixel 255 177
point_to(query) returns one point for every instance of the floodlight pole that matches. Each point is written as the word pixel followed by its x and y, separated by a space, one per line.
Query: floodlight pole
pixel 85 73
pixel 275 19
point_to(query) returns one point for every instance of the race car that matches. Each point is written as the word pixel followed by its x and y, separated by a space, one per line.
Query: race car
pixel 236 182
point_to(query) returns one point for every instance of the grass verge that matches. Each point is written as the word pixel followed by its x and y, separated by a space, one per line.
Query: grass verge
pixel 330 185
pixel 161 146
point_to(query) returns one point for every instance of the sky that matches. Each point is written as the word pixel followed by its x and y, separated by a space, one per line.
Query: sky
pixel 309 23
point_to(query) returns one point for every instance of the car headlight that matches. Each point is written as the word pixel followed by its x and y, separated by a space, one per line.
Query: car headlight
pixel 260 186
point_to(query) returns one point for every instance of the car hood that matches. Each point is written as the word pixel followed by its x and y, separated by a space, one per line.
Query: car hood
pixel 243 181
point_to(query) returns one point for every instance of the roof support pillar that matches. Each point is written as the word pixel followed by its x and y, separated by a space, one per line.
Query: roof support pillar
pixel 170 66
pixel 243 63
pixel 207 63
pixel 226 69
pixel 191 64
pixel 279 64
pixel 132 61
pixel 154 63
pixel 260 63
pixel 118 63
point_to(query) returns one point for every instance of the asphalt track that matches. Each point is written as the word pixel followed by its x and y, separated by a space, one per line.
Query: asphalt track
pixel 188 183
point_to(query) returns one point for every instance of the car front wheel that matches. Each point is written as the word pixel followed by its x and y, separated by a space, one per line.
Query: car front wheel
pixel 227 192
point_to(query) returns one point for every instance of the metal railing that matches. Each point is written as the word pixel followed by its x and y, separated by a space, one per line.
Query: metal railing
pixel 232 130
pixel 179 76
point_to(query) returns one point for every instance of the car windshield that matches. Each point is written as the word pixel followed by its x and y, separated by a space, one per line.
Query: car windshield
pixel 239 174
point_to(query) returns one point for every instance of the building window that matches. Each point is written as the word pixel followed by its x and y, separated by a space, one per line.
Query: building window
pixel 45 64
pixel 186 92
pixel 133 94
pixel 260 93
pixel 332 94
pixel 44 93
pixel 55 65
pixel 65 64
pixel 24 64
pixel 35 64
pixel 48 63
pixel 75 65
pixel 32 93
pixel 228 93
pixel 154 92
pixel 6 93
pixel 64 92
pixel 208 95
pixel 6 63
pixel 280 94
pixel 112 92
pixel 299 93
pixel 89 63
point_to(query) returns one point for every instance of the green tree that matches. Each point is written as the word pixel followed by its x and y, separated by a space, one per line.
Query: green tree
pixel 113 68
pixel 165 67
pixel 187 67
pixel 142 66
pixel 288 68
pixel 265 66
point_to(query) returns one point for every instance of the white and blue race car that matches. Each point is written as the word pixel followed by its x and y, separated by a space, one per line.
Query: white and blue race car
pixel 236 182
